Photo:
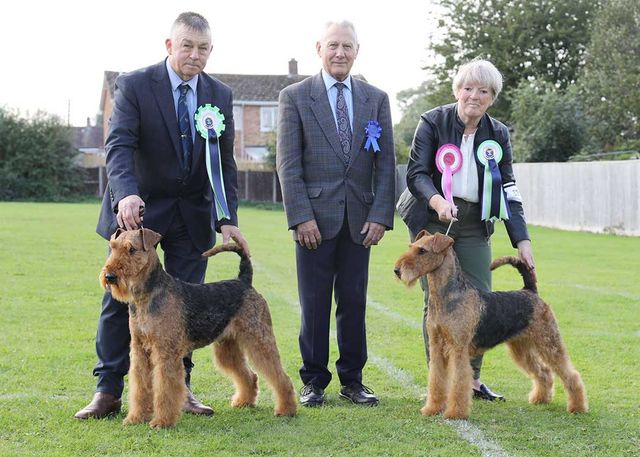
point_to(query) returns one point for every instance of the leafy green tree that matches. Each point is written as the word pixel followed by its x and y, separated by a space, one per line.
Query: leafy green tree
pixel 549 123
pixel 611 80
pixel 534 40
pixel 36 158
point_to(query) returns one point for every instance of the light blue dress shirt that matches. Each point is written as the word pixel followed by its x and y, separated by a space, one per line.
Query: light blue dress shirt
pixel 332 93
pixel 192 95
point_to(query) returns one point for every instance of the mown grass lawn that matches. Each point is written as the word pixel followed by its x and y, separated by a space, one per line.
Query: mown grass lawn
pixel 50 301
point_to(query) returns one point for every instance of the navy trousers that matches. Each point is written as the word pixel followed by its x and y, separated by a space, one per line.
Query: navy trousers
pixel 338 266
pixel 181 260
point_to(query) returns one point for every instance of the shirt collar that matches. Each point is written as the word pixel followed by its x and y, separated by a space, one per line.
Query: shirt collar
pixel 176 80
pixel 329 80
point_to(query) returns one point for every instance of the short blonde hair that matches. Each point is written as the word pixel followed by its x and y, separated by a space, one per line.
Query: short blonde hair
pixel 478 71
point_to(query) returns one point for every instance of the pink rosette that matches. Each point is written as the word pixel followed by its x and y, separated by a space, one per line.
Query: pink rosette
pixel 448 161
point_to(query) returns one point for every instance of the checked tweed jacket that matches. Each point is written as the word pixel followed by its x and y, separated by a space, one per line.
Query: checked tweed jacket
pixel 316 180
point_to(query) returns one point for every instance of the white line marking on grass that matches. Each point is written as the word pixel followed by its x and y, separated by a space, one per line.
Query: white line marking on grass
pixel 413 323
pixel 465 429
pixel 598 290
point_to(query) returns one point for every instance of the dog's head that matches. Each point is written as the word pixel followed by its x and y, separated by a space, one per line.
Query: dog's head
pixel 425 255
pixel 133 255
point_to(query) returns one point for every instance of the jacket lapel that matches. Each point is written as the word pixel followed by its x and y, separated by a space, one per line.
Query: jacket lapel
pixel 161 88
pixel 322 111
pixel 361 115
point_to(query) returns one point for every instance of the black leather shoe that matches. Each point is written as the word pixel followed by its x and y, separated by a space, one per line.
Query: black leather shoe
pixel 485 393
pixel 359 394
pixel 311 395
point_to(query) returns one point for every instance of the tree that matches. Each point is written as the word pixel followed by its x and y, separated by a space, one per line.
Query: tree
pixel 36 158
pixel 549 123
pixel 540 40
pixel 611 80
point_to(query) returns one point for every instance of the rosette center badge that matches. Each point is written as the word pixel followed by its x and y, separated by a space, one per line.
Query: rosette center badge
pixel 209 118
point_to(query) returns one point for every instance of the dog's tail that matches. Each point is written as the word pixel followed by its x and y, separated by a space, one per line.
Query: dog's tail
pixel 529 279
pixel 246 269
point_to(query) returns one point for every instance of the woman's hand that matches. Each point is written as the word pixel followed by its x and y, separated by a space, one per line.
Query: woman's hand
pixel 446 210
pixel 525 253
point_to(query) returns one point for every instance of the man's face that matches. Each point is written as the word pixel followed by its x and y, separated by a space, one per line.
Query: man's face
pixel 338 50
pixel 188 51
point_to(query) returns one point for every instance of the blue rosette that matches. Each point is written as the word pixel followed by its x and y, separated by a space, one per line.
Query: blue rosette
pixel 373 131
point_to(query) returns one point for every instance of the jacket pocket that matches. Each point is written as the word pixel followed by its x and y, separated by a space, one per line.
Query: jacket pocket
pixel 314 192
pixel 367 197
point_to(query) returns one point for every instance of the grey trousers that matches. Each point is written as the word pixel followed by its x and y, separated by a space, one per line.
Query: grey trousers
pixel 473 249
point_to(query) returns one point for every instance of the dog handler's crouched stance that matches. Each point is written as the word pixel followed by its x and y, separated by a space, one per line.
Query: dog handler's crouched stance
pixel 169 318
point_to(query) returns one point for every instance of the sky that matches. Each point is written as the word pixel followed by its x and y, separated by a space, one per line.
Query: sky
pixel 56 51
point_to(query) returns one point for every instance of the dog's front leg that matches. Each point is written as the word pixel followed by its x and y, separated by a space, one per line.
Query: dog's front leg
pixel 140 389
pixel 437 389
pixel 169 390
pixel 460 375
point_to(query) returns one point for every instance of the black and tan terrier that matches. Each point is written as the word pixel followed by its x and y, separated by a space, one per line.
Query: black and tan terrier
pixel 169 318
pixel 464 322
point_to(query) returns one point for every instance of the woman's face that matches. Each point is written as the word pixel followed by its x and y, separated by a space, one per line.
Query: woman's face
pixel 473 100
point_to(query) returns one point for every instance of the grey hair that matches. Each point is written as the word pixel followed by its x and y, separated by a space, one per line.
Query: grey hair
pixel 343 23
pixel 193 21
pixel 479 71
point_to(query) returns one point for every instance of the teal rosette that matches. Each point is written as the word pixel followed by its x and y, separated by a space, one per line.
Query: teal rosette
pixel 209 122
pixel 494 204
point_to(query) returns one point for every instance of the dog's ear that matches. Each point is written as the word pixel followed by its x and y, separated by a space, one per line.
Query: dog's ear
pixel 117 233
pixel 421 234
pixel 441 243
pixel 149 238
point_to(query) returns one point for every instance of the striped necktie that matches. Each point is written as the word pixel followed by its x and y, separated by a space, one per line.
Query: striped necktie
pixel 184 122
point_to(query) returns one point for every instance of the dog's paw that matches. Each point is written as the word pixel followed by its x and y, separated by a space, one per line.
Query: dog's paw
pixel 133 419
pixel 430 410
pixel 161 423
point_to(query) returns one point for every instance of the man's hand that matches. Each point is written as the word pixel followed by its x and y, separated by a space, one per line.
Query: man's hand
pixel 374 233
pixel 308 234
pixel 231 232
pixel 446 210
pixel 128 216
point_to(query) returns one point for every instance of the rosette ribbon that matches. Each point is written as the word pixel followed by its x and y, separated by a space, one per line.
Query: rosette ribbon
pixel 210 125
pixel 494 203
pixel 448 161
pixel 373 131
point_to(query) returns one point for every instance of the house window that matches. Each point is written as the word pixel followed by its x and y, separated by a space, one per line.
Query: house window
pixel 257 153
pixel 268 118
pixel 237 117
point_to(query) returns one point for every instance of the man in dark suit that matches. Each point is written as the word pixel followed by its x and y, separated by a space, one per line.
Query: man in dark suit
pixel 156 161
pixel 338 184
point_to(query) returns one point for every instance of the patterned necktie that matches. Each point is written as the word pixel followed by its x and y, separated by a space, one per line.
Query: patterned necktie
pixel 344 126
pixel 184 122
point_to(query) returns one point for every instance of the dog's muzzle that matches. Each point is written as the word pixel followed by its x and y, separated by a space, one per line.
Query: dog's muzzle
pixel 111 278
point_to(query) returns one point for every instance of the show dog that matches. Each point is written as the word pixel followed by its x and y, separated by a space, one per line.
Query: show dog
pixel 169 318
pixel 464 322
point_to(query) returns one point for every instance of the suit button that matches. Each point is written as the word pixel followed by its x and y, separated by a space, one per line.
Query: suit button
pixel 179 180
pixel 341 202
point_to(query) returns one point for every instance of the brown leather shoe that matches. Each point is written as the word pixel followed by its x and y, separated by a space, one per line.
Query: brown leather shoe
pixel 102 405
pixel 193 406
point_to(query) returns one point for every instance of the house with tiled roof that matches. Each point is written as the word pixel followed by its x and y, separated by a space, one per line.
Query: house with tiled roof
pixel 255 110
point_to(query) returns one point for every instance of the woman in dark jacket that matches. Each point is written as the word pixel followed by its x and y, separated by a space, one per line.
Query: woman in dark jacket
pixel 460 178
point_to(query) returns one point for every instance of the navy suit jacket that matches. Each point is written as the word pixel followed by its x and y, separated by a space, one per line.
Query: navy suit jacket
pixel 143 156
